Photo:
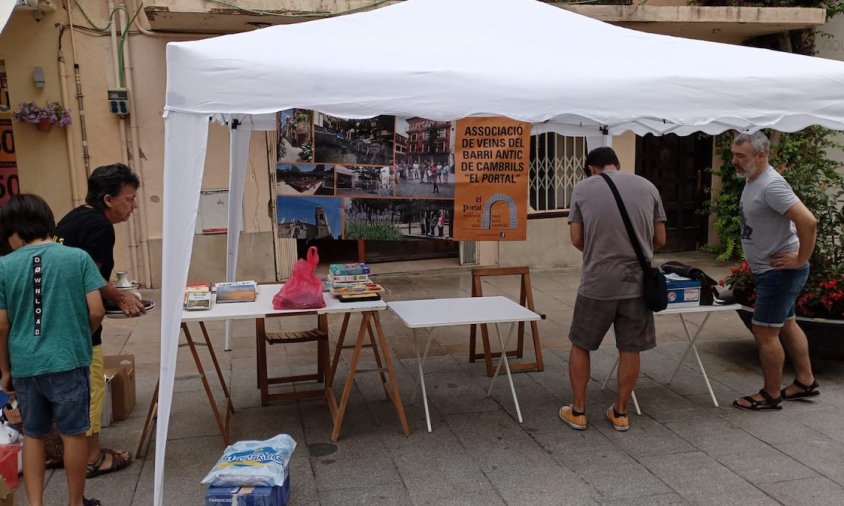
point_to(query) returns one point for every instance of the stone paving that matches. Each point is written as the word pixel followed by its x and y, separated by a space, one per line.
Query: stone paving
pixel 681 450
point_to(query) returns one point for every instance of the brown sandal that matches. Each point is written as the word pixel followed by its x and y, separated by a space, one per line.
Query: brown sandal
pixel 118 462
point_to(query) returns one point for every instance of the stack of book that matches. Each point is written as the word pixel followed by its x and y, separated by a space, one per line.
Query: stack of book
pixel 236 291
pixel 197 296
pixel 351 283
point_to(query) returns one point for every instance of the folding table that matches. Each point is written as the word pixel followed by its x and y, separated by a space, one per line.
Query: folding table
pixel 431 313
pixel 262 308
pixel 691 337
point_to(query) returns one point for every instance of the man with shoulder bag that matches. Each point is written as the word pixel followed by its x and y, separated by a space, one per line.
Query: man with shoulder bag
pixel 617 221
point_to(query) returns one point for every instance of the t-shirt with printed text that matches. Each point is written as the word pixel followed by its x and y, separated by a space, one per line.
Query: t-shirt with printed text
pixel 765 232
pixel 43 288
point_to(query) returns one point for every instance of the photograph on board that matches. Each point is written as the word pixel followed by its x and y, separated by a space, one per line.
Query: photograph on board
pixel 364 181
pixel 309 217
pixel 398 219
pixel 304 179
pixel 424 158
pixel 295 136
pixel 354 141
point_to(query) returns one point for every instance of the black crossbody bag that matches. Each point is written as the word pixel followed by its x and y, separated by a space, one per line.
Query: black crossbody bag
pixel 653 285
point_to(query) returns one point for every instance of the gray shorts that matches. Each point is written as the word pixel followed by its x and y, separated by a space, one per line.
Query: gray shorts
pixel 633 323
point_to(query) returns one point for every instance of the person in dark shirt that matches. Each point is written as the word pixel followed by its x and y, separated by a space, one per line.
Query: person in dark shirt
pixel 111 199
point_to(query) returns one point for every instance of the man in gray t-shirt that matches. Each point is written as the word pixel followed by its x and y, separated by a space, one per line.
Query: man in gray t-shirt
pixel 778 236
pixel 610 291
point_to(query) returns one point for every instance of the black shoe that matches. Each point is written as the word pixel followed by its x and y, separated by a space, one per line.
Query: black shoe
pixel 91 502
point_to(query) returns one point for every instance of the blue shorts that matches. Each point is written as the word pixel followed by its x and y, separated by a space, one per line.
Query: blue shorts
pixel 63 396
pixel 776 294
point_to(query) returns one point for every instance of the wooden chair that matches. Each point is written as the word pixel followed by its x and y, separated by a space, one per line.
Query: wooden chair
pixel 318 334
pixel 525 299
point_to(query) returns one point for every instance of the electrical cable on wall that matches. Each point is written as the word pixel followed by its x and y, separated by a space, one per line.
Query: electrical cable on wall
pixel 123 32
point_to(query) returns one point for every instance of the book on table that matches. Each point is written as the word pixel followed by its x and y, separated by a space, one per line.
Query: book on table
pixel 348 278
pixel 348 269
pixel 197 296
pixel 359 297
pixel 356 288
pixel 236 291
pixel 197 301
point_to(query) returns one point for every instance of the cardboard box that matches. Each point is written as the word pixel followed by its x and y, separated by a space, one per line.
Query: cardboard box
pixel 682 292
pixel 108 405
pixel 123 388
pixel 249 496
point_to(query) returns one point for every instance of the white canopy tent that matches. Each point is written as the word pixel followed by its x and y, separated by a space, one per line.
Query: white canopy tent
pixel 448 59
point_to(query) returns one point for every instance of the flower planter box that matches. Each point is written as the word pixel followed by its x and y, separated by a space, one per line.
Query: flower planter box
pixel 826 337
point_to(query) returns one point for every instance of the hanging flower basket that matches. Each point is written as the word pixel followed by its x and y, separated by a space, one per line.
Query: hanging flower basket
pixel 43 117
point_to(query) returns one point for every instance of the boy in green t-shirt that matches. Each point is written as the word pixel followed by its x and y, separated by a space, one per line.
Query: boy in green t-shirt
pixel 49 305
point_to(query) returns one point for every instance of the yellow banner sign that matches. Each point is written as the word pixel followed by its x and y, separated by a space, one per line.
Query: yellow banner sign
pixel 492 166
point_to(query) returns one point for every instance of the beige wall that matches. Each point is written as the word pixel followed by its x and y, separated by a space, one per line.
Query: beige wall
pixel 41 157
pixel 548 245
pixel 43 163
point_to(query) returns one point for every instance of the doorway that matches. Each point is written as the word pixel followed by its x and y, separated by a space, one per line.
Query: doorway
pixel 677 166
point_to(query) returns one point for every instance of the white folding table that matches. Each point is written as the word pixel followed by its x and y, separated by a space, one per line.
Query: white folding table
pixel 262 308
pixel 682 312
pixel 431 313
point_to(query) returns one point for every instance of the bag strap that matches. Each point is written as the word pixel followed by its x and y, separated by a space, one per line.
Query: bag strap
pixel 313 256
pixel 626 218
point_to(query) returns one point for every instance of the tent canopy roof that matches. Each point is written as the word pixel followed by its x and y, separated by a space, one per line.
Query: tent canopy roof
pixel 447 59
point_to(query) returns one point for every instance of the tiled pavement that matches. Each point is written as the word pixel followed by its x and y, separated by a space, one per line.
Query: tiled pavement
pixel 682 450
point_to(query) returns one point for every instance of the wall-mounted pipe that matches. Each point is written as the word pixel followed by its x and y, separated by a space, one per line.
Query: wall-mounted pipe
pixel 138 161
pixel 75 198
pixel 124 146
pixel 80 97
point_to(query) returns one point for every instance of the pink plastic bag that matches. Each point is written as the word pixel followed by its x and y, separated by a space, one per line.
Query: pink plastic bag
pixel 304 289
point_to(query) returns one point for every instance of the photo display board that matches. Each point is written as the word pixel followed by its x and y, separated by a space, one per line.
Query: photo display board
pixel 391 178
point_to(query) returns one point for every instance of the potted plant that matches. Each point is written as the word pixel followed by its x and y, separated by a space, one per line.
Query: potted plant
pixel 43 117
pixel 57 113
pixel 822 297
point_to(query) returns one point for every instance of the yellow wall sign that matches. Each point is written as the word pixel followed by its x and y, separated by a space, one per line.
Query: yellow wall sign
pixel 492 166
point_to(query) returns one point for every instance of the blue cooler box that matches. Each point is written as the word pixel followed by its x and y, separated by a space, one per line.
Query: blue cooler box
pixel 249 496
pixel 682 292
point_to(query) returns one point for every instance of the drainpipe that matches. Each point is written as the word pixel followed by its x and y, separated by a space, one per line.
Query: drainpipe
pixel 124 146
pixel 68 134
pixel 80 102
pixel 136 152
